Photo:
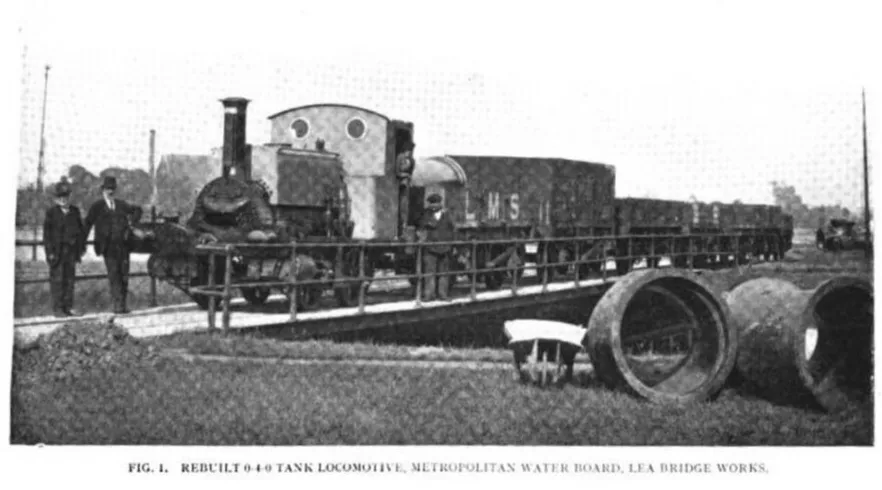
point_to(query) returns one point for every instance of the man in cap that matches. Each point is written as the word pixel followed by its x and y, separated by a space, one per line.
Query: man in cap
pixel 112 220
pixel 436 226
pixel 64 246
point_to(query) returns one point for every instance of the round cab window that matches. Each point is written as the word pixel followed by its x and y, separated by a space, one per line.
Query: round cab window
pixel 355 128
pixel 300 128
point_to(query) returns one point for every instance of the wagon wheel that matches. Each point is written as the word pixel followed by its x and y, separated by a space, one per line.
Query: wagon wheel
pixel 256 296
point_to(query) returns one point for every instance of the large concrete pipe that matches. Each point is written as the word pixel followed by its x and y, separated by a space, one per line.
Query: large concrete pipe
pixel 809 348
pixel 676 309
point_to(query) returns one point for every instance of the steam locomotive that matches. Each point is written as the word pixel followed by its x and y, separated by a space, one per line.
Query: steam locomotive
pixel 335 174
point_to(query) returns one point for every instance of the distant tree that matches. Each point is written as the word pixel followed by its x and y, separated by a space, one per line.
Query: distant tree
pixel 805 216
pixel 133 185
pixel 30 205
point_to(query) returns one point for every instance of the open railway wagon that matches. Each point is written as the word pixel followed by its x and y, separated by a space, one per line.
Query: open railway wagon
pixel 504 198
pixel 699 235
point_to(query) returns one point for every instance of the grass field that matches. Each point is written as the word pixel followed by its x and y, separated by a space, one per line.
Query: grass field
pixel 208 403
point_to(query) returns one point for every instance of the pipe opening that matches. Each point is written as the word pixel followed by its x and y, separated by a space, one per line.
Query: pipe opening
pixel 673 336
pixel 841 363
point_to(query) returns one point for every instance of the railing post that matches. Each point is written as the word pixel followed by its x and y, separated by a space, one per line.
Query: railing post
pixel 419 274
pixel 651 259
pixel 293 294
pixel 577 257
pixel 212 299
pixel 603 260
pixel 362 280
pixel 228 280
pixel 473 293
pixel 514 275
pixel 153 302
pixel 544 259
pixel 690 258
pixel 630 253
pixel 737 250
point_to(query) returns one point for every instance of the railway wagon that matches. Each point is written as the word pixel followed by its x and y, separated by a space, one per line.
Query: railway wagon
pixel 657 227
pixel 717 228
pixel 517 197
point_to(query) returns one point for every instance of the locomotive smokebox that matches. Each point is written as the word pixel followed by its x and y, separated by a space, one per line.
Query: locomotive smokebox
pixel 234 149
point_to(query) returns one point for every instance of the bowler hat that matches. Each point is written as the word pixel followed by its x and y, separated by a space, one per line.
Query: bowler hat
pixel 434 199
pixel 62 189
pixel 109 183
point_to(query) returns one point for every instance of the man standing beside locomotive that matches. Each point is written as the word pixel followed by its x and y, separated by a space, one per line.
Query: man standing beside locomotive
pixel 64 247
pixel 111 219
pixel 436 226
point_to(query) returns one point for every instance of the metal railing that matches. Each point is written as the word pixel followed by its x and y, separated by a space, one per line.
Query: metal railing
pixel 35 244
pixel 81 277
pixel 726 249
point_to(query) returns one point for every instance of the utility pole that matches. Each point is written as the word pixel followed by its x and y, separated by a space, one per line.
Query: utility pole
pixel 40 167
pixel 867 234
pixel 152 168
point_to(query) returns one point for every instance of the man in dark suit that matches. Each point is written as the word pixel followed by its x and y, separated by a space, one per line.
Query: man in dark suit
pixel 64 248
pixel 112 219
pixel 436 226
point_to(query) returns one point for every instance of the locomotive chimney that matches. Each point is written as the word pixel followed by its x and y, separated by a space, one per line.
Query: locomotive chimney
pixel 234 149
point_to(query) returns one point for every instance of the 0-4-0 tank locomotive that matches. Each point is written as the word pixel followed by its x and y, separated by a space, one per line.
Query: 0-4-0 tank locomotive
pixel 306 201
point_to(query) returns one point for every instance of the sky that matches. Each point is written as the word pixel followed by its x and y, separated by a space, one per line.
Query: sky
pixel 711 100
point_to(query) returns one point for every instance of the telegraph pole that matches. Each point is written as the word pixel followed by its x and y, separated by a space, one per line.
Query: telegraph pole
pixel 40 167
pixel 867 235
pixel 152 167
